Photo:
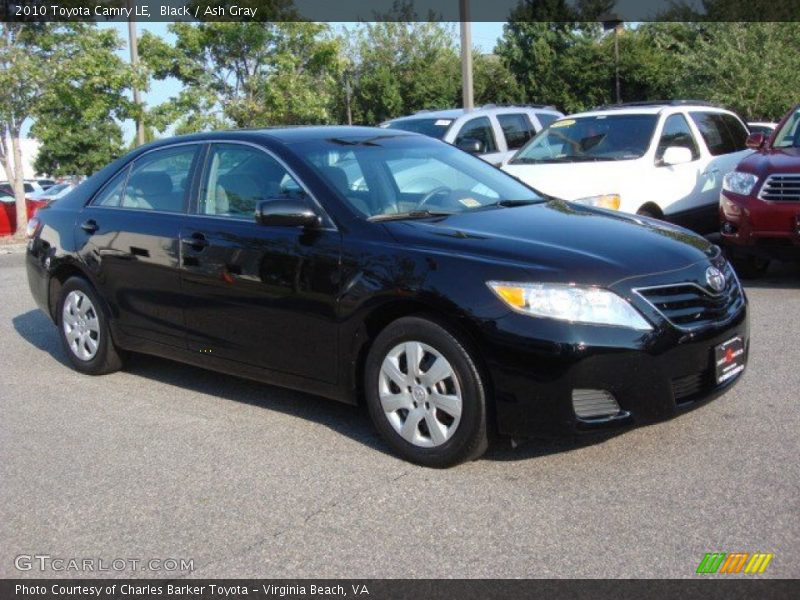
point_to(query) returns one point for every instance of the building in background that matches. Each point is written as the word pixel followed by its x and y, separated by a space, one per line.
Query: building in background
pixel 30 149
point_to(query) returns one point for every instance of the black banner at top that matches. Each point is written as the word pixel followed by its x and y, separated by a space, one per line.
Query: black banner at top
pixel 608 11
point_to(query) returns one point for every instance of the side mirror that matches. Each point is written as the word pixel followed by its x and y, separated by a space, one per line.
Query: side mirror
pixel 471 145
pixel 755 140
pixel 676 155
pixel 286 213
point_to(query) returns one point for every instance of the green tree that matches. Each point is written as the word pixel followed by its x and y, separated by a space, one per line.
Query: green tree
pixel 750 68
pixel 26 65
pixel 245 74
pixel 399 67
pixel 493 82
pixel 78 113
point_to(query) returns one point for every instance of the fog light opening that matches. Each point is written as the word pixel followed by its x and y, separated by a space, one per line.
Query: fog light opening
pixel 729 228
pixel 594 405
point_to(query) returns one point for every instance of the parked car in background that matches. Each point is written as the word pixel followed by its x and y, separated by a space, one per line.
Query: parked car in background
pixel 8 215
pixel 761 127
pixel 30 186
pixel 44 197
pixel 46 183
pixel 663 159
pixel 760 202
pixel 492 132
pixel 453 312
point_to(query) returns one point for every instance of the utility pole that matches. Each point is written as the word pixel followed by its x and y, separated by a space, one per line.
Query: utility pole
pixel 616 61
pixel 137 100
pixel 466 55
pixel 612 21
pixel 348 90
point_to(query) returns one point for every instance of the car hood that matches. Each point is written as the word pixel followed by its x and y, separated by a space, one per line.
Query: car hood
pixel 772 160
pixel 560 241
pixel 572 181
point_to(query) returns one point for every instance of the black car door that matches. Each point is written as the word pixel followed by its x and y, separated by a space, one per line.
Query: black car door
pixel 257 294
pixel 129 238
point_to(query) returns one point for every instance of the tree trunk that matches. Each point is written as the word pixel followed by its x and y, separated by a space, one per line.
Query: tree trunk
pixel 19 185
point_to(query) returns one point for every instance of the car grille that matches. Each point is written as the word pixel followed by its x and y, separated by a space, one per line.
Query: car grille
pixel 781 188
pixel 689 306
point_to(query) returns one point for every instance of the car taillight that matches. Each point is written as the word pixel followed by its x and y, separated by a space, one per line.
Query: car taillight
pixel 34 225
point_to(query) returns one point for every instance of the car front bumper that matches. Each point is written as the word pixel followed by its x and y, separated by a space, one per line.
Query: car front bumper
pixel 652 376
pixel 754 226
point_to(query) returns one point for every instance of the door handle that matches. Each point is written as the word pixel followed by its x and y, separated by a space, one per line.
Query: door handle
pixel 90 226
pixel 196 241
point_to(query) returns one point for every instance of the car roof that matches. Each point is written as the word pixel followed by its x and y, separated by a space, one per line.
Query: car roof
pixel 455 113
pixel 647 109
pixel 288 135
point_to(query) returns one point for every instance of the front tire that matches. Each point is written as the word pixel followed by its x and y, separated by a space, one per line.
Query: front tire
pixel 425 394
pixel 83 328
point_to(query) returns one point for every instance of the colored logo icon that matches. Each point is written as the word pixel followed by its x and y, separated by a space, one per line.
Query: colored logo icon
pixel 734 562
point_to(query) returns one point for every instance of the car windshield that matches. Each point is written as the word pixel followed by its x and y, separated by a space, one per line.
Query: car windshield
pixel 435 128
pixel 789 134
pixel 589 139
pixel 409 176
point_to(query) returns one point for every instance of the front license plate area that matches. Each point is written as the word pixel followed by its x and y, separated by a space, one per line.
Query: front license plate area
pixel 729 359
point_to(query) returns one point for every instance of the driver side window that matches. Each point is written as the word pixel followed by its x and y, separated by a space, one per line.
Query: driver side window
pixel 479 129
pixel 239 177
pixel 676 133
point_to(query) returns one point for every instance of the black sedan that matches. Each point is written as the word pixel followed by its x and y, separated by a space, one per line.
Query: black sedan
pixel 383 266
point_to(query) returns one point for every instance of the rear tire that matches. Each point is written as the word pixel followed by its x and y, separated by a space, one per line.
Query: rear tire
pixel 83 328
pixel 432 414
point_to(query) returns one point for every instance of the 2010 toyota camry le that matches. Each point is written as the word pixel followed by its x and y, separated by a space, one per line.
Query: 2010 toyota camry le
pixel 385 266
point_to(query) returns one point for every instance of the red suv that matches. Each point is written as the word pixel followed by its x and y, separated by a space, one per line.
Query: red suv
pixel 760 201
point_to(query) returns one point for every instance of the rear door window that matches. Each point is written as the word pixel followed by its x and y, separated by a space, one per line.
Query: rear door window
pixel 479 129
pixel 517 129
pixel 111 194
pixel 722 133
pixel 160 180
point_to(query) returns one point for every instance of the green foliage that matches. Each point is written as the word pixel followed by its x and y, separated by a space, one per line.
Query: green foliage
pixel 78 111
pixel 245 74
pixel 401 67
pixel 748 67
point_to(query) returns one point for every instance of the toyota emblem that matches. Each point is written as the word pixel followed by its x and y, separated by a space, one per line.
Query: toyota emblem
pixel 715 279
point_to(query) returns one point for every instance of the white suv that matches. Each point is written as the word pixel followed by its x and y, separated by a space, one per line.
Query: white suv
pixel 492 132
pixel 664 160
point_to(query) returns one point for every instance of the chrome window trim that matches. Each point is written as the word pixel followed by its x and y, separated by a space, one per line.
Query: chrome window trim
pixel 130 166
pixel 330 224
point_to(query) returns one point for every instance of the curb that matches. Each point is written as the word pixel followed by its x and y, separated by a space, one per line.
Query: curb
pixel 12 248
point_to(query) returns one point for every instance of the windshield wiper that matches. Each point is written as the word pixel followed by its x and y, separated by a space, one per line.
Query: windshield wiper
pixel 413 214
pixel 513 203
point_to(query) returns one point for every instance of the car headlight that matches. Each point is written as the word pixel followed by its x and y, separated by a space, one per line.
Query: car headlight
pixel 611 201
pixel 569 303
pixel 739 183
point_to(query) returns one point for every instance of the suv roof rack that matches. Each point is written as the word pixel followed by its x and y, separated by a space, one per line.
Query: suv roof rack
pixel 646 103
pixel 513 105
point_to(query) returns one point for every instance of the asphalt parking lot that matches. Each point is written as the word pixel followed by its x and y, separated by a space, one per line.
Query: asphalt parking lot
pixel 169 461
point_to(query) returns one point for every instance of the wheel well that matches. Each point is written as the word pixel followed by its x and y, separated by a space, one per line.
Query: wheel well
pixel 61 274
pixel 382 316
pixel 652 208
